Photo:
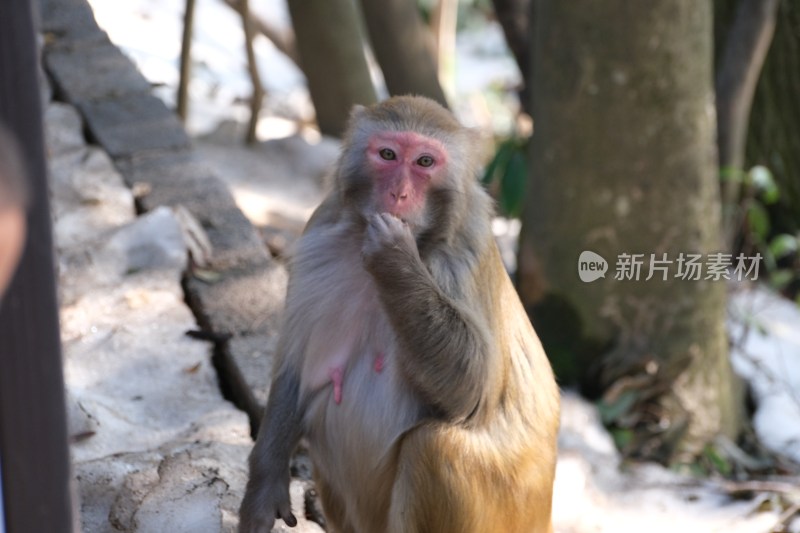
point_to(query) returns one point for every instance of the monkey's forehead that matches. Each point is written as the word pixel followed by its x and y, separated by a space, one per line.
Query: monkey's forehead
pixel 405 140
pixel 369 127
pixel 410 113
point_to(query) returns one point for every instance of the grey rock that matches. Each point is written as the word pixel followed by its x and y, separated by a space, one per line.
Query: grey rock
pixel 240 302
pixel 193 488
pixel 149 245
pixel 63 130
pixel 134 123
pixel 181 487
pixel 80 422
pixel 94 72
pixel 67 23
pixel 91 197
pixel 247 361
pixel 99 483
pixel 196 239
pixel 182 178
pixel 154 241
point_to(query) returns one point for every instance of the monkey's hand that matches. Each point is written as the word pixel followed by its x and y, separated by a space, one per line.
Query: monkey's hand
pixel 386 234
pixel 263 503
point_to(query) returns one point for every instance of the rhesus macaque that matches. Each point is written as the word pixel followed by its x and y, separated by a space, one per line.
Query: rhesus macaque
pixel 12 207
pixel 406 358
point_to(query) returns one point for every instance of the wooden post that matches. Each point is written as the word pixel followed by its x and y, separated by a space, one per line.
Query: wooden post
pixel 186 62
pixel 33 431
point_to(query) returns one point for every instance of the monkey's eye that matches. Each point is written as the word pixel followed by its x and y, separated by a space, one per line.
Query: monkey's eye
pixel 425 161
pixel 387 154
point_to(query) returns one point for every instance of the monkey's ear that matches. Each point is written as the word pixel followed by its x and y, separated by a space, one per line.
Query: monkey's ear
pixel 481 143
pixel 357 111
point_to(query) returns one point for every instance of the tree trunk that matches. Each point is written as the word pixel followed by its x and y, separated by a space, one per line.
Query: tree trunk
pixel 515 17
pixel 738 70
pixel 624 162
pixel 773 138
pixel 331 50
pixel 403 47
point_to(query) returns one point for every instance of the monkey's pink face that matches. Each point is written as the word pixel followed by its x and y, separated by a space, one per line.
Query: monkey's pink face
pixel 404 165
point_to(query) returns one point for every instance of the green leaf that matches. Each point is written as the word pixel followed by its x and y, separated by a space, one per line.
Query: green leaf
pixel 610 412
pixel 512 189
pixel 622 437
pixel 783 245
pixel 491 169
pixel 758 220
pixel 497 166
pixel 781 278
pixel 768 259
pixel 761 178
pixel 731 174
pixel 720 463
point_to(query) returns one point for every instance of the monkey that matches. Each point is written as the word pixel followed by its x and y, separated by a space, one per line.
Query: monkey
pixel 406 359
pixel 13 202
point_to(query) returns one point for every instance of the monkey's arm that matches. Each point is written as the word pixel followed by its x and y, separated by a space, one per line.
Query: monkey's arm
pixel 451 355
pixel 267 494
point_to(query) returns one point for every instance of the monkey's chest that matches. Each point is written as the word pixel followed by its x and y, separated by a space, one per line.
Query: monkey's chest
pixel 351 368
pixel 359 403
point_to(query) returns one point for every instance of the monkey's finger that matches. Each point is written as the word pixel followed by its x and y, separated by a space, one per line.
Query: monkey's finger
pixel 378 222
pixel 388 219
pixel 285 512
pixel 376 229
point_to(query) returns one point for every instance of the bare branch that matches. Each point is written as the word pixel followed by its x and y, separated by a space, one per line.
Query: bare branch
pixel 186 61
pixel 282 39
pixel 252 68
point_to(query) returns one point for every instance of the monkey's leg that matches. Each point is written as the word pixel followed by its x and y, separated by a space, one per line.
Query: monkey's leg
pixel 267 493
pixel 452 480
pixel 333 509
pixel 425 499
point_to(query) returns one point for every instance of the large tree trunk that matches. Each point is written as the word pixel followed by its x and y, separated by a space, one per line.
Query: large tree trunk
pixel 403 47
pixel 331 50
pixel 624 161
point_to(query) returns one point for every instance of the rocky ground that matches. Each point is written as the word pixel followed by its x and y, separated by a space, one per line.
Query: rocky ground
pixel 153 243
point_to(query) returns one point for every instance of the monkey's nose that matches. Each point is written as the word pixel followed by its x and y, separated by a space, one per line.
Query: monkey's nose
pixel 402 196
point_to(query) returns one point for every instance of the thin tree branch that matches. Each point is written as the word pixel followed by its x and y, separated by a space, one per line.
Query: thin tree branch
pixel 283 40
pixel 186 61
pixel 252 68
